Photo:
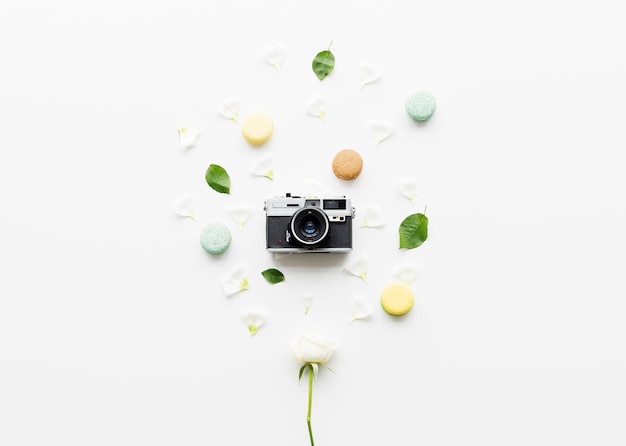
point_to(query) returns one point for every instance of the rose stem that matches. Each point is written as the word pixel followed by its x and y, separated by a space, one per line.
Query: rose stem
pixel 308 416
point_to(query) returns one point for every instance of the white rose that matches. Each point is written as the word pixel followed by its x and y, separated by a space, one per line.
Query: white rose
pixel 313 349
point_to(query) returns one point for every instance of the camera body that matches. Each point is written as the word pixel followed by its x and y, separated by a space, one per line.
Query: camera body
pixel 297 224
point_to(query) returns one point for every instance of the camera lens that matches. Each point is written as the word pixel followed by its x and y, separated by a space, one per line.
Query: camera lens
pixel 309 226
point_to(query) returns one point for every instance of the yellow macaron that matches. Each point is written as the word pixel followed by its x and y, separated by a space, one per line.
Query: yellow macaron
pixel 257 128
pixel 397 299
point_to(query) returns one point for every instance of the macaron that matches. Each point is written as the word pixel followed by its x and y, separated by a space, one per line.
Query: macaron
pixel 257 128
pixel 420 106
pixel 215 238
pixel 347 164
pixel 397 299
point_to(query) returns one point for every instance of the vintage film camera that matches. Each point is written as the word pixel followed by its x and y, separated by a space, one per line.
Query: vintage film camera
pixel 297 224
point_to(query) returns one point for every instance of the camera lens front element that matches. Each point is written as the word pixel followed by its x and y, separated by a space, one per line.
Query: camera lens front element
pixel 309 226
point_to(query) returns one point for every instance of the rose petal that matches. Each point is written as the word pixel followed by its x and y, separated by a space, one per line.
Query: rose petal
pixel 369 74
pixel 253 319
pixel 358 267
pixel 360 308
pixel 263 167
pixel 275 55
pixel 184 207
pixel 282 255
pixel 373 218
pixel 308 301
pixel 406 273
pixel 240 214
pixel 187 137
pixel 317 107
pixel 313 349
pixel 315 189
pixel 235 282
pixel 408 187
pixel 380 131
pixel 229 109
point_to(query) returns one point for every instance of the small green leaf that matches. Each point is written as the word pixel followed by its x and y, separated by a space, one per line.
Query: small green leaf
pixel 413 231
pixel 302 371
pixel 218 179
pixel 323 64
pixel 272 275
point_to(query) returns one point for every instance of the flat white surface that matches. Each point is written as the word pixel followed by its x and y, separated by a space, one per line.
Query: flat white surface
pixel 114 328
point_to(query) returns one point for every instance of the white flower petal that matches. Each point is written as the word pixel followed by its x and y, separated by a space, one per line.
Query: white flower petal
pixel 229 109
pixel 406 273
pixel 281 255
pixel 360 308
pixel 263 167
pixel 317 107
pixel 308 301
pixel 313 349
pixel 187 137
pixel 183 206
pixel 373 218
pixel 240 213
pixel 408 187
pixel 315 189
pixel 235 282
pixel 380 131
pixel 369 74
pixel 358 267
pixel 275 55
pixel 253 319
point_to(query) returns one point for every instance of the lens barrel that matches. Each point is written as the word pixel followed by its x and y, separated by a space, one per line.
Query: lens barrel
pixel 309 226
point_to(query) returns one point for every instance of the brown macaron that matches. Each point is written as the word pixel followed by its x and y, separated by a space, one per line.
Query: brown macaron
pixel 347 164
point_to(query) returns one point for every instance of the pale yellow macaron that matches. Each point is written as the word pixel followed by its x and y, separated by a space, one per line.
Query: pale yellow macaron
pixel 257 128
pixel 397 299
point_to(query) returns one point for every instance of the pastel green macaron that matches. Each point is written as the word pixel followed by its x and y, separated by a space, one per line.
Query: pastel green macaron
pixel 215 238
pixel 420 106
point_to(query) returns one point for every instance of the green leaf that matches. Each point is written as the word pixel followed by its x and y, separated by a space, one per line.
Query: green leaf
pixel 323 64
pixel 311 367
pixel 302 371
pixel 413 231
pixel 218 179
pixel 272 275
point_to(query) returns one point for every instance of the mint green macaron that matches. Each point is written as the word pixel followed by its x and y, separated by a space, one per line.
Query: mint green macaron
pixel 215 238
pixel 420 106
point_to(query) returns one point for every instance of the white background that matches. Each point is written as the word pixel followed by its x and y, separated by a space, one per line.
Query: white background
pixel 114 329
